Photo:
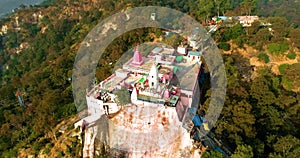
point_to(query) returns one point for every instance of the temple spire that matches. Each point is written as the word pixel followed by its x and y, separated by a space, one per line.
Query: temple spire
pixel 137 57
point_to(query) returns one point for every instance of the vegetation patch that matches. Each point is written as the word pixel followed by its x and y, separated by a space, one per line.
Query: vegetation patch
pixel 225 46
pixel 287 84
pixel 282 68
pixel 291 55
pixel 290 76
pixel 10 153
pixel 278 49
pixel 263 57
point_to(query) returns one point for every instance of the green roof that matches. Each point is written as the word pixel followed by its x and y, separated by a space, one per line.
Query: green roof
pixel 179 58
pixel 142 80
pixel 175 69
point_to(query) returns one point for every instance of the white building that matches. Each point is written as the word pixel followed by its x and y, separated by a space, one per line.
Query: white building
pixel 247 21
pixel 194 56
pixel 182 50
pixel 153 77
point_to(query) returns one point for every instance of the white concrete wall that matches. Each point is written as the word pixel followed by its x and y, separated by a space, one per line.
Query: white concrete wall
pixel 95 106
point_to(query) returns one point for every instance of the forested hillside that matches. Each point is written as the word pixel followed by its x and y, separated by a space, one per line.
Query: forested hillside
pixel 261 115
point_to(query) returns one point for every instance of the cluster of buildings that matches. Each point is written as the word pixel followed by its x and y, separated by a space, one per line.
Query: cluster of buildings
pixel 229 21
pixel 245 21
pixel 160 86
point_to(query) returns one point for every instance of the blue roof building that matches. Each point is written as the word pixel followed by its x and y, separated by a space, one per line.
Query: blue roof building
pixel 198 121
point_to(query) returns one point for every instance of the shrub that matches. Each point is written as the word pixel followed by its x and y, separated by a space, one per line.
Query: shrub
pixel 291 55
pixel 225 46
pixel 282 68
pixel 277 49
pixel 288 84
pixel 263 57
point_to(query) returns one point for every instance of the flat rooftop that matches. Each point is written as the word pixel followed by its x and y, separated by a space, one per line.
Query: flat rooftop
pixel 133 79
pixel 187 75
pixel 112 82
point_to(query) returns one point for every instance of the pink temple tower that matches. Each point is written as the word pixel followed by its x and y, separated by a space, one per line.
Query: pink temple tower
pixel 137 57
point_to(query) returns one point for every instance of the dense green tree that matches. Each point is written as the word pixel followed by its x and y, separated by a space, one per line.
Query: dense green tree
pixel 248 6
pixel 243 151
pixel 290 76
pixel 287 146
pixel 206 10
pixel 212 154
pixel 287 9
pixel 239 121
pixel 279 28
pixel 294 35
pixel 261 93
pixel 234 33
pixel 222 6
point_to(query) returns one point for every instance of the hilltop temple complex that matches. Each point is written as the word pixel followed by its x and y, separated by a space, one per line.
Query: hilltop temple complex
pixel 150 121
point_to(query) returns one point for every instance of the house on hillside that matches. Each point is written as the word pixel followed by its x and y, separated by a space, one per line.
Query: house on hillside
pixel 247 21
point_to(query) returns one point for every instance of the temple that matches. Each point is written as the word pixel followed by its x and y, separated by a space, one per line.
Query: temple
pixel 145 102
